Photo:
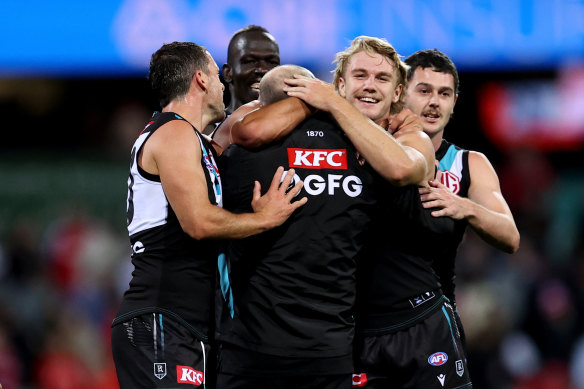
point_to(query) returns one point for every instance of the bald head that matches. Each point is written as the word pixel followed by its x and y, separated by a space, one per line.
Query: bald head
pixel 272 84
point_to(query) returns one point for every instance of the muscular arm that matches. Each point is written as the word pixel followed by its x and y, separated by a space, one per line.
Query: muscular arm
pixel 407 161
pixel 173 152
pixel 485 209
pixel 269 123
pixel 222 136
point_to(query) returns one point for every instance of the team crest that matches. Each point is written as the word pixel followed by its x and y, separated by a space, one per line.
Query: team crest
pixel 160 370
pixel 459 368
pixel 451 181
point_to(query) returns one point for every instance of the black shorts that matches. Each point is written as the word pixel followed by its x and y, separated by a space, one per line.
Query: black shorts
pixel 231 381
pixel 241 368
pixel 155 351
pixel 428 354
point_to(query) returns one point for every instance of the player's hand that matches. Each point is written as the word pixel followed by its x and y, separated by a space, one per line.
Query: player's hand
pixel 276 204
pixel 313 91
pixel 439 196
pixel 404 122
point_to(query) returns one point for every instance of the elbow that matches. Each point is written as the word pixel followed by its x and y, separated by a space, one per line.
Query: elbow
pixel 404 175
pixel 197 231
pixel 514 243
pixel 246 133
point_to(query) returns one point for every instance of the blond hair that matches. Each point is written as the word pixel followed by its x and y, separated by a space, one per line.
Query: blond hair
pixel 372 45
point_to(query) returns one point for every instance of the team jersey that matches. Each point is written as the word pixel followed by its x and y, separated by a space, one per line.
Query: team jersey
pixel 453 162
pixel 173 273
pixel 397 285
pixel 291 291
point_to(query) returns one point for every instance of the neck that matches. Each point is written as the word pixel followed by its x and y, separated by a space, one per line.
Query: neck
pixel 437 139
pixel 190 108
pixel 234 102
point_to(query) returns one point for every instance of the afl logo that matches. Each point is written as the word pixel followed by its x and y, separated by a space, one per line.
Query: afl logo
pixel 450 181
pixel 438 359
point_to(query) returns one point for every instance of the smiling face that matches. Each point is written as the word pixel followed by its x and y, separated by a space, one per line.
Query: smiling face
pixel 431 95
pixel 370 83
pixel 251 55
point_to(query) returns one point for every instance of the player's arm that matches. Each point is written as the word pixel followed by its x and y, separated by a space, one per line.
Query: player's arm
pixel 174 153
pixel 222 137
pixel 485 209
pixel 398 163
pixel 269 123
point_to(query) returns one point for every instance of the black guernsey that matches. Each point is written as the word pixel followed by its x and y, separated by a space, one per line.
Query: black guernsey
pixel 453 162
pixel 291 291
pixel 174 274
pixel 397 285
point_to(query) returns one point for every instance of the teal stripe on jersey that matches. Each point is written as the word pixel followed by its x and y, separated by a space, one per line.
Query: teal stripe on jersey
pixel 448 159
pixel 224 281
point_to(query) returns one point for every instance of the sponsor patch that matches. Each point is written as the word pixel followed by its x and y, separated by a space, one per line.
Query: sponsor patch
pixel 438 359
pixel 459 368
pixel 317 158
pixel 160 370
pixel 451 181
pixel 359 380
pixel 188 375
pixel 442 379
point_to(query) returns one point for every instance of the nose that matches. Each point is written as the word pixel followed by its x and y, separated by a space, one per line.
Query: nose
pixel 262 68
pixel 369 84
pixel 434 99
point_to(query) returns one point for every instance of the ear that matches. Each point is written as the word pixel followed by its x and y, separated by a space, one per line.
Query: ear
pixel 341 87
pixel 201 80
pixel 226 71
pixel 455 100
pixel 397 92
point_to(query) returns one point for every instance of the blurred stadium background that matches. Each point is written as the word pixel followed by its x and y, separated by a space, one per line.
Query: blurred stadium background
pixel 73 96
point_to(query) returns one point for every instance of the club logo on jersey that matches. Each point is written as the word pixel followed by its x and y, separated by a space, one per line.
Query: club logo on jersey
pixel 459 368
pixel 441 378
pixel 160 370
pixel 359 380
pixel 317 158
pixel 451 181
pixel 438 359
pixel 188 375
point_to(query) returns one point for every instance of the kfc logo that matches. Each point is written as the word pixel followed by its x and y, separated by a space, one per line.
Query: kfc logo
pixel 317 159
pixel 188 375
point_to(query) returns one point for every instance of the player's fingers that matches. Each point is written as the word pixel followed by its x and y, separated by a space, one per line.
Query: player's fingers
pixel 277 178
pixel 257 191
pixel 299 203
pixel 289 176
pixel 296 189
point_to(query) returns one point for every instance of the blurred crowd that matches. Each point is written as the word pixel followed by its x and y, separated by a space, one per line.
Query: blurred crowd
pixel 61 283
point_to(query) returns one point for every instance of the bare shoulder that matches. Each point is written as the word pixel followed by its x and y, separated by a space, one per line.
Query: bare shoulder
pixel 479 164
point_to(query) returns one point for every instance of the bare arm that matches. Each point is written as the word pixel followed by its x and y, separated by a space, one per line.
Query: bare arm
pixel 408 161
pixel 269 123
pixel 222 136
pixel 174 153
pixel 485 209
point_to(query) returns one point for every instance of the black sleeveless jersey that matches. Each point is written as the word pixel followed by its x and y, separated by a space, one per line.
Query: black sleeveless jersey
pixel 291 291
pixel 173 273
pixel 453 162
pixel 396 283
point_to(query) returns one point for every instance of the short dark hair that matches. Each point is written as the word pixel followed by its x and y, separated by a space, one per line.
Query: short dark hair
pixel 172 68
pixel 244 30
pixel 435 59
